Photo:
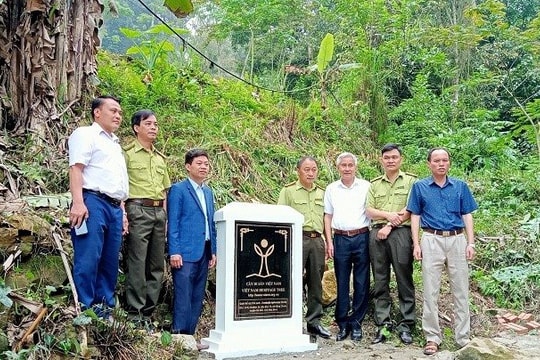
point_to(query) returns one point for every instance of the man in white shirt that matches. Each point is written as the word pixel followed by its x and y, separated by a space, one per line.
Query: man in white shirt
pixel 98 183
pixel 345 218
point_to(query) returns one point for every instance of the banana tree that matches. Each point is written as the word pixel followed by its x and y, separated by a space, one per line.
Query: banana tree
pixel 148 47
pixel 324 69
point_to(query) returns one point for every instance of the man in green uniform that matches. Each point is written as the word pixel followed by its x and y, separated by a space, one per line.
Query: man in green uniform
pixel 307 198
pixel 145 243
pixel 390 243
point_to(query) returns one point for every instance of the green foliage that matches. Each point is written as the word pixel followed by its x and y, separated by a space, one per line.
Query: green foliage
pixel 326 52
pixel 151 46
pixel 181 8
pixel 85 318
pixel 417 74
pixel 528 124
pixel 512 286
pixel 166 338
pixel 254 138
pixel 4 292
pixel 13 355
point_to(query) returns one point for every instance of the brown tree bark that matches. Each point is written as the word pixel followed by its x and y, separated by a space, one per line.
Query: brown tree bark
pixel 47 60
pixel 47 67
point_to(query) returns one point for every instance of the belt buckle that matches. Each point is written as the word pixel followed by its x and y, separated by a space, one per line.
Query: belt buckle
pixel 155 203
pixel 446 233
pixel 349 233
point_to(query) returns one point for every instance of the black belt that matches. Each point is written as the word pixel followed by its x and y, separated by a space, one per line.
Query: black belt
pixel 105 197
pixel 311 234
pixel 146 202
pixel 351 232
pixel 379 226
pixel 444 233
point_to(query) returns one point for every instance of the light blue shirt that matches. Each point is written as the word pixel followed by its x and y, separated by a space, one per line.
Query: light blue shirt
pixel 200 194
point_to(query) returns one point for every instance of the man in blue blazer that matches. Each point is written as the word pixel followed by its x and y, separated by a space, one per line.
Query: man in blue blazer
pixel 191 234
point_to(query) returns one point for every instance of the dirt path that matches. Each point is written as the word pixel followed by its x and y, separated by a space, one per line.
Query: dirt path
pixel 523 347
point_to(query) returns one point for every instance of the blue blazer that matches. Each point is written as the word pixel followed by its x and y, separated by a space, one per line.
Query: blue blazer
pixel 186 228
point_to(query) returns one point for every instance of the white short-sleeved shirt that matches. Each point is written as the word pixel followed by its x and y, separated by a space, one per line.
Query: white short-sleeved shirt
pixel 104 165
pixel 347 205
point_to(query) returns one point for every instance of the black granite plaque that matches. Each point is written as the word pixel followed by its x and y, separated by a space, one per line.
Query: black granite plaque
pixel 262 270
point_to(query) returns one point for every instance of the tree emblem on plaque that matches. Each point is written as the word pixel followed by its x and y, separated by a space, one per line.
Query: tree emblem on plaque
pixel 264 252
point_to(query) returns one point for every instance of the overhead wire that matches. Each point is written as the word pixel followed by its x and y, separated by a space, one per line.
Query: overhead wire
pixel 214 63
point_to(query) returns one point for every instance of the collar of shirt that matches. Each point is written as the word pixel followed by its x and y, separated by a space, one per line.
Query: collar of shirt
pixel 195 185
pixel 300 186
pixel 400 174
pixel 99 130
pixel 449 181
pixel 356 182
pixel 138 147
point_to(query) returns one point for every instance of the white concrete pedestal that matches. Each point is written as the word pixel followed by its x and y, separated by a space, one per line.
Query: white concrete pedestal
pixel 259 282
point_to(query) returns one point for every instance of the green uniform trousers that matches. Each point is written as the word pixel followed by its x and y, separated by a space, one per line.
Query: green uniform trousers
pixel 313 252
pixel 145 257
pixel 395 251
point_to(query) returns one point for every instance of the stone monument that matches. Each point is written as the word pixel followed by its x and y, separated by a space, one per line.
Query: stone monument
pixel 259 282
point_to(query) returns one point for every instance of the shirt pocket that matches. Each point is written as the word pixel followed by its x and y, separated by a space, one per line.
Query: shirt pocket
pixel 301 205
pixel 400 197
pixel 138 171
pixel 160 173
pixel 379 199
pixel 319 206
pixel 453 202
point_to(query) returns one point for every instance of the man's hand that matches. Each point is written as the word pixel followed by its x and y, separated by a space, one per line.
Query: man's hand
pixel 125 224
pixel 383 232
pixel 176 261
pixel 329 250
pixel 77 214
pixel 417 252
pixel 470 252
pixel 395 218
pixel 212 262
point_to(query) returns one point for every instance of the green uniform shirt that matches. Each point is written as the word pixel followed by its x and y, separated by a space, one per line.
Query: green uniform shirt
pixel 387 196
pixel 309 203
pixel 147 171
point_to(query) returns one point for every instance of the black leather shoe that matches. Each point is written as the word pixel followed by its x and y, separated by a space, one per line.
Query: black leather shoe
pixel 379 338
pixel 356 334
pixel 343 333
pixel 318 330
pixel 406 337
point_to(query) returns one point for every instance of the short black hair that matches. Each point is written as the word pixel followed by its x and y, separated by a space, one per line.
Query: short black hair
pixel 390 147
pixel 435 149
pixel 140 116
pixel 97 102
pixel 303 159
pixel 193 153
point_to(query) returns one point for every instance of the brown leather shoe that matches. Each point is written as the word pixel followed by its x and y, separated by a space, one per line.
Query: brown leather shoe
pixel 202 346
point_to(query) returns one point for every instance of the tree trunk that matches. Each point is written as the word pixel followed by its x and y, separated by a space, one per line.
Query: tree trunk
pixel 47 59
pixel 47 64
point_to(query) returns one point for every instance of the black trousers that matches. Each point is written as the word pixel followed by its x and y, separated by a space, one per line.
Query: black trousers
pixel 395 251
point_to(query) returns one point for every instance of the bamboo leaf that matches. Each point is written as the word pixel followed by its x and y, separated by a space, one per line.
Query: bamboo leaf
pixel 326 52
pixel 180 8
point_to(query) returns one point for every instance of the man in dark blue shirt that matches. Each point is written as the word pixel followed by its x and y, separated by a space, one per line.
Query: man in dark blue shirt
pixel 442 206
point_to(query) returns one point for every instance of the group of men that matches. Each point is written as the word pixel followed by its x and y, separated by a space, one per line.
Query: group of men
pixel 358 223
pixel 128 192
